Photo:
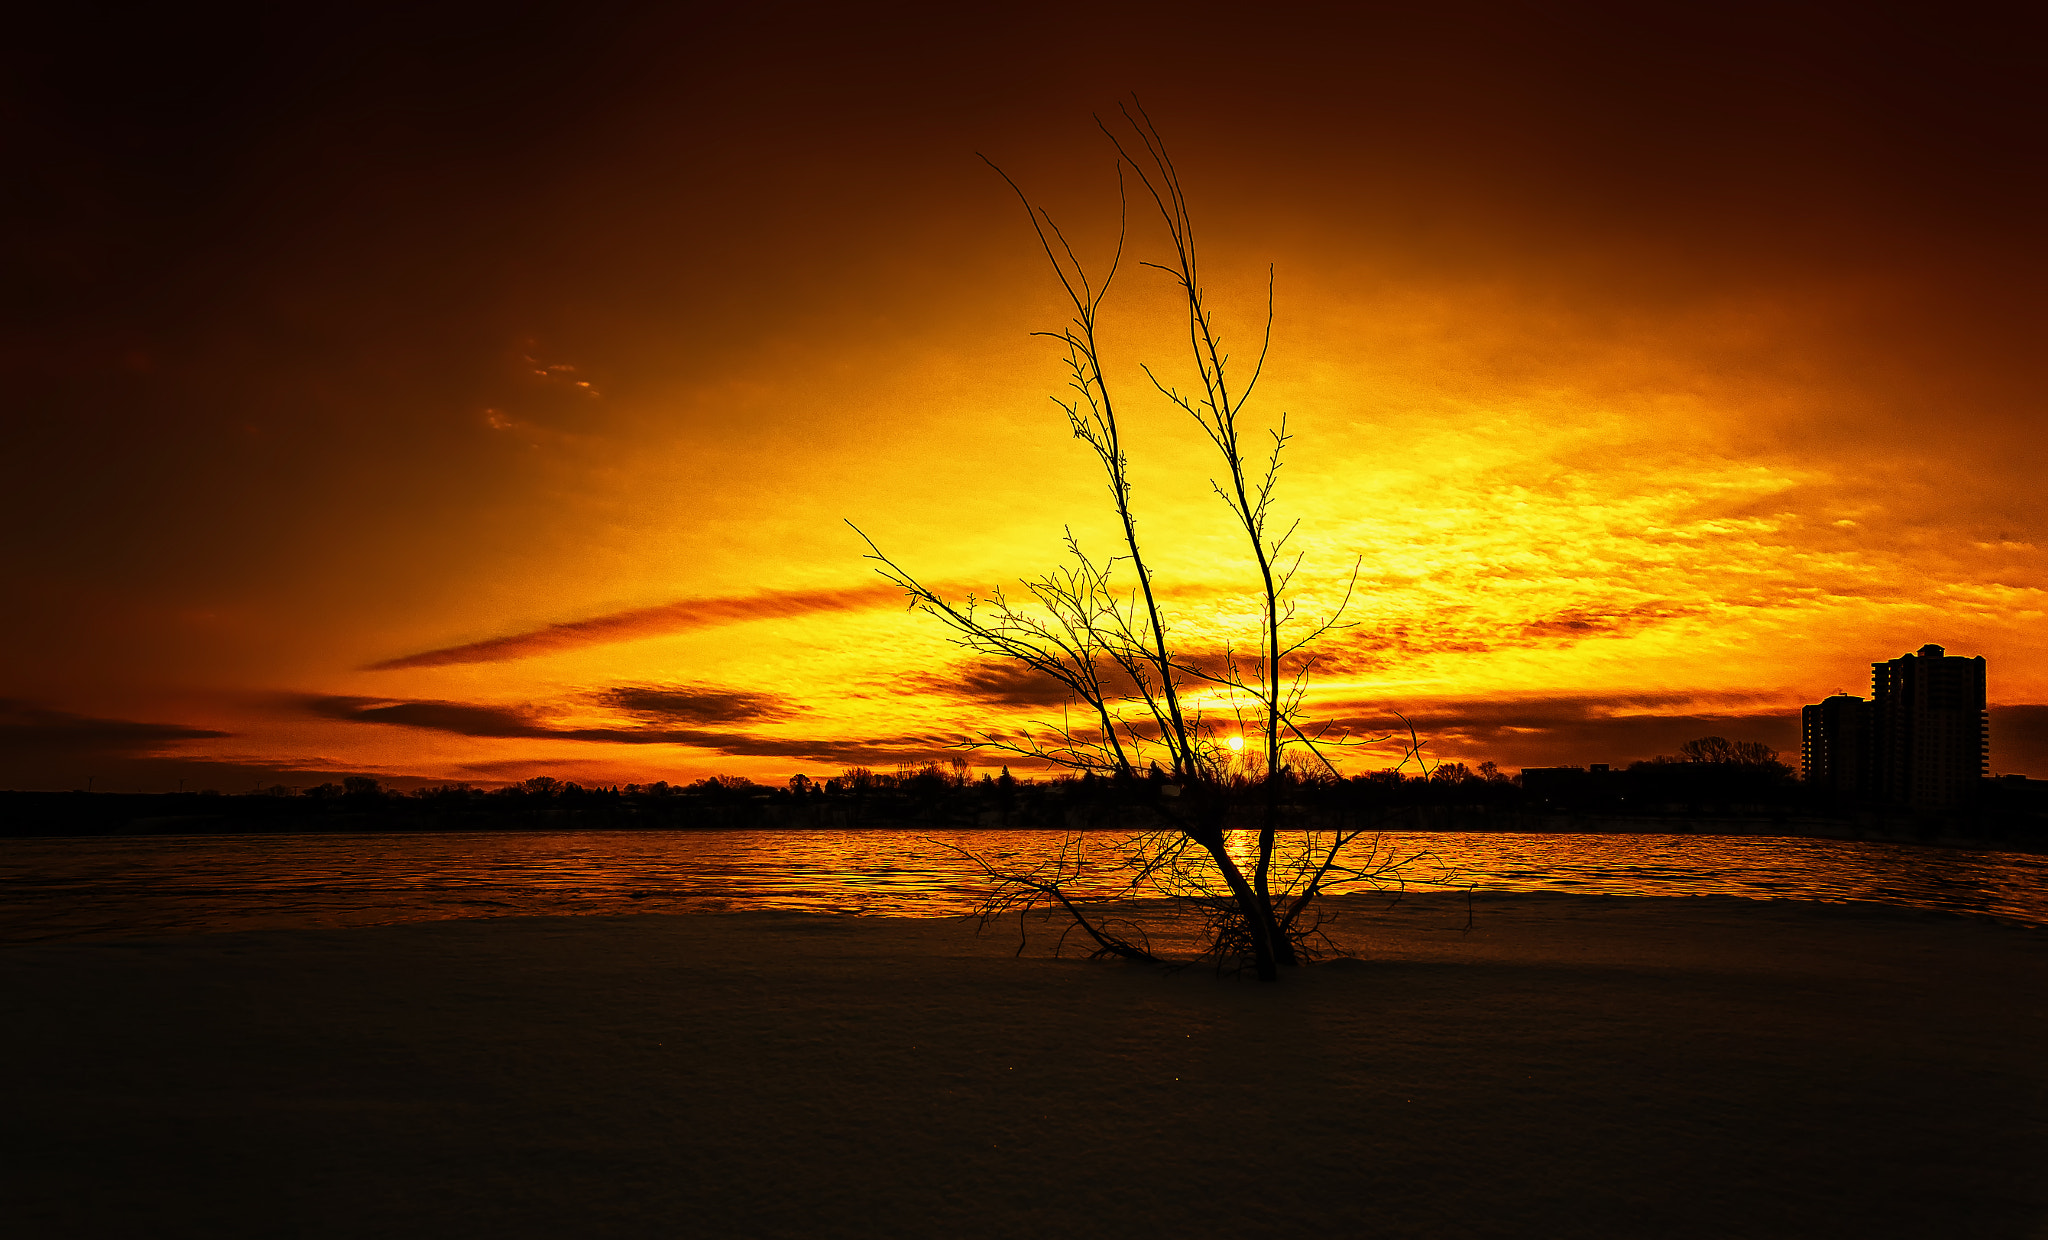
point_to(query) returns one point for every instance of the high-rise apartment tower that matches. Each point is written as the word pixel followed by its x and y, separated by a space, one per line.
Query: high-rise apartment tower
pixel 1923 739
pixel 1930 733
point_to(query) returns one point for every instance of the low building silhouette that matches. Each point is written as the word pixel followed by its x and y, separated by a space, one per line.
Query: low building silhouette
pixel 1834 745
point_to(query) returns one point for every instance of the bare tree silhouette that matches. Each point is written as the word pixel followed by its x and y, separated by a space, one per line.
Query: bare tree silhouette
pixel 1141 709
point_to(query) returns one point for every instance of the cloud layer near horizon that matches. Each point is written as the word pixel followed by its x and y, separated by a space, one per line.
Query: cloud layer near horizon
pixel 120 755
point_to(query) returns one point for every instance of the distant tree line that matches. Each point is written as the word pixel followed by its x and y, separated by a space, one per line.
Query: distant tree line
pixel 1708 777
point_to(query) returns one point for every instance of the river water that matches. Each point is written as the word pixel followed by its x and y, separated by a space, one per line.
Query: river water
pixel 101 887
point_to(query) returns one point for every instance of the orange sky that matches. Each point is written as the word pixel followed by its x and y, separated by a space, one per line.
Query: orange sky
pixel 466 393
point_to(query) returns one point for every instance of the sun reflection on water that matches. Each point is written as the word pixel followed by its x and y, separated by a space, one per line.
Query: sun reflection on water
pixel 98 888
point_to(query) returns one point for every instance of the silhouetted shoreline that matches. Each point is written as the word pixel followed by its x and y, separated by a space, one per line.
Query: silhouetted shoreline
pixel 2002 826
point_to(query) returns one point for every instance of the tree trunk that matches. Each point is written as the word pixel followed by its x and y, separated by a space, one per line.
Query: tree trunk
pixel 1283 948
pixel 1267 941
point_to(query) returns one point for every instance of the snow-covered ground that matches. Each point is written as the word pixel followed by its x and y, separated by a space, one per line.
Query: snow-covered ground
pixel 1567 1066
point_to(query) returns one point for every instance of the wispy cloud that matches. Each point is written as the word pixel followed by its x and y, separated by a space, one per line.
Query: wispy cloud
pixel 1462 629
pixel 522 768
pixel 1553 710
pixel 623 626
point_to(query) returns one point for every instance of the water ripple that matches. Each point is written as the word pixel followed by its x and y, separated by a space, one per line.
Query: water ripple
pixel 119 887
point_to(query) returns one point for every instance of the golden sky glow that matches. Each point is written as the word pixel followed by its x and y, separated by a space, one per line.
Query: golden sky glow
pixel 413 402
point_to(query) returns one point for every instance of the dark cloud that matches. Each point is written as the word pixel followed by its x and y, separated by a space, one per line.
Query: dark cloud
pixel 2019 740
pixel 27 727
pixel 54 750
pixel 642 622
pixel 694 704
pixel 1016 685
pixel 456 717
pixel 991 684
pixel 1577 729
pixel 468 719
